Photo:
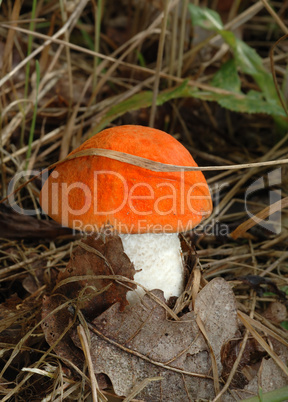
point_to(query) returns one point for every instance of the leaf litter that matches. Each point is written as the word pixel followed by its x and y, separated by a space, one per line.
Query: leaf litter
pixel 139 349
pixel 207 130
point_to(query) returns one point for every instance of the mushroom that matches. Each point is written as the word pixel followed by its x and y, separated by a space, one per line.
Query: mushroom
pixel 147 209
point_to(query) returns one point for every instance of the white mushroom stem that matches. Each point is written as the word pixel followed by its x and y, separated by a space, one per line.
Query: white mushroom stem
pixel 158 258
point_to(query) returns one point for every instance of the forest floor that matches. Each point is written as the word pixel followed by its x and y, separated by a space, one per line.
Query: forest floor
pixel 216 79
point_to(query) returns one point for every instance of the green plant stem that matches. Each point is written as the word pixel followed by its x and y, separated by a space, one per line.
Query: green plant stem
pixel 159 63
pixel 27 70
pixel 33 122
pixel 97 40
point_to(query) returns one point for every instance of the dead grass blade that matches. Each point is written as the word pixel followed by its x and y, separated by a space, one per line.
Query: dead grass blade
pixel 70 22
pixel 258 218
pixel 212 355
pixel 10 38
pixel 265 329
pixel 86 349
pixel 234 368
pixel 121 279
pixel 17 349
pixel 153 166
pixel 247 322
pixel 275 16
pixel 161 167
pixel 139 387
pixel 11 127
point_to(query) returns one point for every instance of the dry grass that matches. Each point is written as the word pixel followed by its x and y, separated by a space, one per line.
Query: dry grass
pixel 83 77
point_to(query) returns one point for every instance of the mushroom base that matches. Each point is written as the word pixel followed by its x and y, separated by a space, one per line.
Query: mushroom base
pixel 158 260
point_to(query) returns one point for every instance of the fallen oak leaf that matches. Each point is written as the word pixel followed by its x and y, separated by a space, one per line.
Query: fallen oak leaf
pixel 143 344
pixel 56 325
pixel 174 350
pixel 87 283
pixel 99 260
pixel 216 306
pixel 144 357
pixel 140 343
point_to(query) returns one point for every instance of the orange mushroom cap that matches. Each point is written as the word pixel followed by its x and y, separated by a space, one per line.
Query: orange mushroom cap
pixel 89 192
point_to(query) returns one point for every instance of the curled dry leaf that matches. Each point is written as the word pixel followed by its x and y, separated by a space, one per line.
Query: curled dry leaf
pixel 248 365
pixel 11 318
pixel 39 276
pixel 269 377
pixel 141 343
pixel 56 328
pixel 16 226
pixel 98 259
pixel 86 284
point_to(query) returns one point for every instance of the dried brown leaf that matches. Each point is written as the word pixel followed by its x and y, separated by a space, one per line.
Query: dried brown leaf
pixel 141 343
pixel 249 363
pixel 95 258
pixel 16 226
pixel 10 319
pixel 134 341
pixel 56 328
pixel 216 306
pixel 80 284
pixel 269 378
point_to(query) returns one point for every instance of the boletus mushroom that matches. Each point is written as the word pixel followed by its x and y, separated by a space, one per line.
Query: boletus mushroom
pixel 148 209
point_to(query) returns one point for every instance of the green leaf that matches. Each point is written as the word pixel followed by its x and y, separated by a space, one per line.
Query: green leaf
pixel 205 18
pixel 241 103
pixel 33 122
pixel 138 101
pixel 260 394
pixel 227 77
pixel 284 289
pixel 284 324
pixel 87 39
pixel 278 395
pixel 253 102
pixel 250 63
pixel 141 59
pixel 246 58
